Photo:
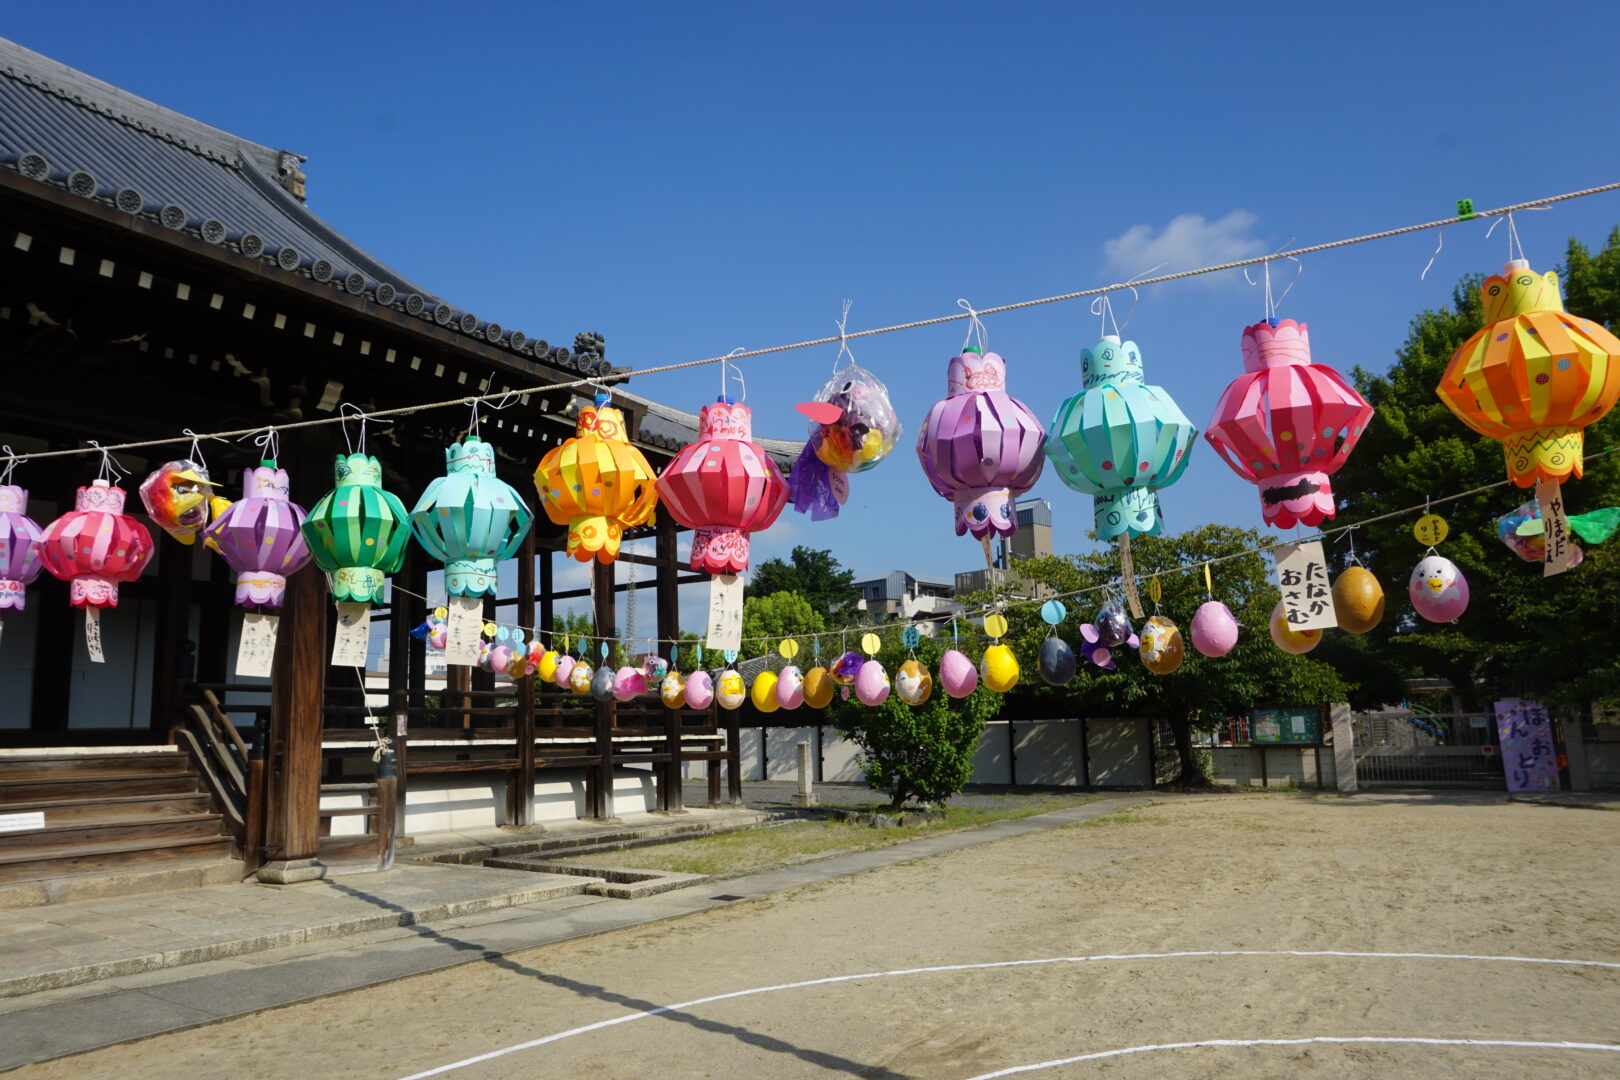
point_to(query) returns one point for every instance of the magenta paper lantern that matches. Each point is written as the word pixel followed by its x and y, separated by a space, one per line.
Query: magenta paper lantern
pixel 980 447
pixel 1287 424
pixel 19 552
pixel 95 546
pixel 724 486
pixel 260 537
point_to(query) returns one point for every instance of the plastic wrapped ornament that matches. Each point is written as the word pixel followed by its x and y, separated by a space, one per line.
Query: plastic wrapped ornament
pixel 1162 649
pixel 1289 640
pixel 1056 664
pixel 1000 668
pixel 913 683
pixel 1358 600
pixel 1214 630
pixel 581 678
pixel 790 687
pixel 672 690
pixel 1111 629
pixel 699 690
pixel 872 684
pixel 846 667
pixel 818 688
pixel 1438 589
pixel 179 498
pixel 957 674
pixel 729 691
pixel 654 668
pixel 763 692
pixel 563 675
pixel 852 428
pixel 546 669
pixel 602 682
pixel 628 683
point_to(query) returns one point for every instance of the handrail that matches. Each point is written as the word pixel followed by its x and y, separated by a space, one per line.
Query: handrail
pixel 221 752
pixel 223 723
pixel 222 794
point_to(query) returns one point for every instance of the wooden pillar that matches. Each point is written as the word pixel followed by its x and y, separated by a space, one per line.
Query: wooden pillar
pixel 728 719
pixel 415 575
pixel 606 619
pixel 298 690
pixel 520 792
pixel 669 628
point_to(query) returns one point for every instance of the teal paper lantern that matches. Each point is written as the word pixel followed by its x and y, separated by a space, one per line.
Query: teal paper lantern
pixel 470 519
pixel 1120 440
pixel 358 532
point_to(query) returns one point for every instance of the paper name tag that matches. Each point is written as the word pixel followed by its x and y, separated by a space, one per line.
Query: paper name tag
pixel 1303 577
pixel 725 612
pixel 92 635
pixel 463 620
pixel 353 639
pixel 256 649
pixel 1560 553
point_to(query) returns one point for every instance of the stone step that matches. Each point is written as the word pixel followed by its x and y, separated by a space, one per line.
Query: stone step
pixel 48 863
pixel 156 875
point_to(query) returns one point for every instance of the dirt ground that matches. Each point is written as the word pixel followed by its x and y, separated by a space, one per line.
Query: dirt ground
pixel 1374 873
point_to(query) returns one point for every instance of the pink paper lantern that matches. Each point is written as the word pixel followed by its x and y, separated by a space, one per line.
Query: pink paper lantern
pixel 260 537
pixel 95 546
pixel 980 447
pixel 1287 424
pixel 19 551
pixel 724 486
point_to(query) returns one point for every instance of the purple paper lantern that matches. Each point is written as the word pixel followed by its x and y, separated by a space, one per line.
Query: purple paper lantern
pixel 19 553
pixel 260 537
pixel 980 447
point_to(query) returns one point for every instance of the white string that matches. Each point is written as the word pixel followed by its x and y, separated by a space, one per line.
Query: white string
pixel 110 470
pixel 1512 231
pixel 843 338
pixel 508 399
pixel 343 421
pixel 1103 306
pixel 975 327
pixel 268 444
pixel 195 454
pixel 726 365
pixel 1439 243
pixel 12 461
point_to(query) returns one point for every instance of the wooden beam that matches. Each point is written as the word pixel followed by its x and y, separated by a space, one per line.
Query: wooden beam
pixel 606 620
pixel 520 792
pixel 669 622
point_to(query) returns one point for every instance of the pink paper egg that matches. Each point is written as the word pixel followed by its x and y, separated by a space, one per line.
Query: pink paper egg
pixel 872 684
pixel 699 690
pixel 1214 631
pixel 628 682
pixel 957 674
pixel 790 688
pixel 440 637
pixel 500 658
pixel 1438 589
pixel 565 668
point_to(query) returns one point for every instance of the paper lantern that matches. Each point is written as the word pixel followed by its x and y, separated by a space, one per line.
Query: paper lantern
pixel 1533 376
pixel 853 426
pixel 470 519
pixel 597 484
pixel 790 688
pixel 357 532
pixel 818 688
pixel 19 555
pixel 1162 649
pixel 1120 440
pixel 699 690
pixel 724 486
pixel 913 683
pixel 872 684
pixel 1000 668
pixel 1289 640
pixel 1358 600
pixel 957 674
pixel 1438 590
pixel 1287 424
pixel 95 546
pixel 763 692
pixel 177 498
pixel 1055 665
pixel 979 447
pixel 260 536
pixel 1214 630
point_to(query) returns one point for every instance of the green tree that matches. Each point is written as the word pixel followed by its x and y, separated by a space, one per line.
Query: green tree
pixel 779 615
pixel 916 752
pixel 814 574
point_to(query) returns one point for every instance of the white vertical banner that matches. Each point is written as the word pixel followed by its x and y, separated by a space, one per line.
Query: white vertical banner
pixel 352 642
pixel 1560 554
pixel 463 619
pixel 92 635
pixel 725 612
pixel 256 648
pixel 1302 575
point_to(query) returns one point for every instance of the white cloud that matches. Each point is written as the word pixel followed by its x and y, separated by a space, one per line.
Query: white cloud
pixel 1188 242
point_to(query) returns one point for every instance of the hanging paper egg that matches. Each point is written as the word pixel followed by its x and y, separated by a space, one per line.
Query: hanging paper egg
pixel 790 688
pixel 357 532
pixel 1000 668
pixel 1162 649
pixel 1120 440
pixel 724 486
pixel 597 484
pixel 95 546
pixel 581 678
pixel 439 636
pixel 1358 600
pixel 913 683
pixel 602 680
pixel 672 690
pixel 1287 424
pixel 470 519
pixel 729 691
pixel 818 688
pixel 547 668
pixel 1438 589
pixel 845 669
pixel 852 428
pixel 628 682
pixel 957 674
pixel 1533 376
pixel 178 498
pixel 1287 638
pixel 872 684
pixel 979 447
pixel 1056 664
pixel 19 552
pixel 564 674
pixel 699 690
pixel 1214 630
pixel 500 658
pixel 485 649
pixel 763 692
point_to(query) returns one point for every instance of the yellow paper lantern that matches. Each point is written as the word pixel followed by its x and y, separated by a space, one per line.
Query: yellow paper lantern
pixel 597 484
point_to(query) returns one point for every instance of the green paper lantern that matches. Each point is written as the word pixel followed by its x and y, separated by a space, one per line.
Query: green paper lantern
pixel 470 519
pixel 358 532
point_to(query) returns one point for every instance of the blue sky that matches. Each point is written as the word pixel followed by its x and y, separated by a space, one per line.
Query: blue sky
pixel 691 178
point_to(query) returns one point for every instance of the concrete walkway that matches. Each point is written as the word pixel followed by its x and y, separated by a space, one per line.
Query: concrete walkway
pixel 404 939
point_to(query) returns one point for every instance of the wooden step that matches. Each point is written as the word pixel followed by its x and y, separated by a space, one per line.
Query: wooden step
pixel 71 788
pixel 115 808
pixel 47 766
pixel 59 838
pixel 146 855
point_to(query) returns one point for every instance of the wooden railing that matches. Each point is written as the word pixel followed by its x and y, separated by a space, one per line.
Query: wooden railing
pixel 221 757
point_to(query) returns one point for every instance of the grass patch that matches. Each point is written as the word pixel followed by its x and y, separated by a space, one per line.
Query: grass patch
pixel 751 849
pixel 1124 817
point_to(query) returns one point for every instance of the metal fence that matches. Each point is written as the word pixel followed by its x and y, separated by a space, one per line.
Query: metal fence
pixel 1398 747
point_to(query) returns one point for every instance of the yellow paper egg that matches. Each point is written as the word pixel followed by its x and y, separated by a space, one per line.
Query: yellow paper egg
pixel 579 679
pixel 818 688
pixel 672 691
pixel 1162 647
pixel 1358 600
pixel 1289 640
pixel 548 666
pixel 763 692
pixel 1000 668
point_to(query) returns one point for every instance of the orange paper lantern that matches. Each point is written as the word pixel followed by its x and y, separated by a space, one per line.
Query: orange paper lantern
pixel 597 484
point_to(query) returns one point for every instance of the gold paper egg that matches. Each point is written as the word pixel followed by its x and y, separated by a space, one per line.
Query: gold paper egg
pixel 1000 668
pixel 913 683
pixel 673 690
pixel 1358 600
pixel 1162 647
pixel 818 688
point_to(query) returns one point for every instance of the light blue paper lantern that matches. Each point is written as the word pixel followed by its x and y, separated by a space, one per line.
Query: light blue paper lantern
pixel 470 519
pixel 1120 440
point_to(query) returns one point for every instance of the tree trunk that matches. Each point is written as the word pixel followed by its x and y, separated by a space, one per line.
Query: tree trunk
pixel 1189 774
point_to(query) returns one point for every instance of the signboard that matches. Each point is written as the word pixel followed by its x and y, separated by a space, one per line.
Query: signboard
pixel 1302 575
pixel 1529 759
pixel 20 822
pixel 1286 726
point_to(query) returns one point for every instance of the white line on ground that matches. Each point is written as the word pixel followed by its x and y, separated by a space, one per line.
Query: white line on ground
pixel 599 1025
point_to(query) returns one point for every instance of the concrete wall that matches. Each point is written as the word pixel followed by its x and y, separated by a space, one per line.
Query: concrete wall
pixel 1602 756
pixel 1286 766
pixel 1120 753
